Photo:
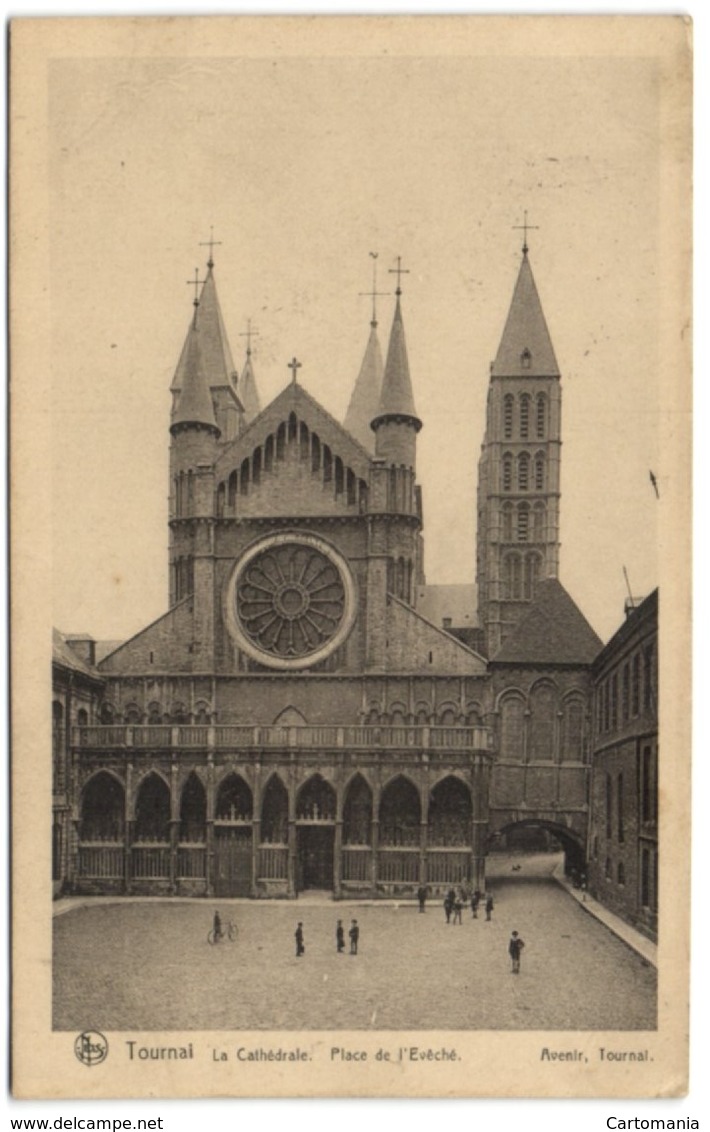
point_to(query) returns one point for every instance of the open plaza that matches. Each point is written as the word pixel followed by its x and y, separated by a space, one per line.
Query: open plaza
pixel 147 965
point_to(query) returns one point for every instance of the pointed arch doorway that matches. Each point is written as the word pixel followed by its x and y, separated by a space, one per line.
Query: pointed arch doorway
pixel 315 835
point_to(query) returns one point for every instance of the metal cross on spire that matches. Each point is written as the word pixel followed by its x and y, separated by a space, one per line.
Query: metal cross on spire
pixel 211 244
pixel 399 271
pixel 294 365
pixel 525 228
pixel 374 293
pixel 249 334
pixel 196 283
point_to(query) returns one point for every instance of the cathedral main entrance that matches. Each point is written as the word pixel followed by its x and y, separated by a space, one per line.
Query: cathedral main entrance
pixel 316 847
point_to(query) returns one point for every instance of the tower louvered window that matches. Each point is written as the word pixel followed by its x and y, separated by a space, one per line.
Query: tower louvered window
pixel 508 416
pixel 524 416
pixel 541 416
pixel 507 472
pixel 523 471
pixel 523 522
pixel 539 472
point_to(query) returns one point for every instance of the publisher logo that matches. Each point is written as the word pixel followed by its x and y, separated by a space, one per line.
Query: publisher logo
pixel 91 1047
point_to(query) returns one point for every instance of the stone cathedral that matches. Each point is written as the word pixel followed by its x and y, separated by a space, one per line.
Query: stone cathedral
pixel 308 713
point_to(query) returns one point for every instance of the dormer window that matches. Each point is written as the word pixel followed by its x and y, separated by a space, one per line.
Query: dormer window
pixel 526 358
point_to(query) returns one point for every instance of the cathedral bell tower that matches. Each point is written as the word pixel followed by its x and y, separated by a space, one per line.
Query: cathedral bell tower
pixel 519 467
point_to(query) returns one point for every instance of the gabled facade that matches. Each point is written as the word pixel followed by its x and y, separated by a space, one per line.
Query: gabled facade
pixel 307 713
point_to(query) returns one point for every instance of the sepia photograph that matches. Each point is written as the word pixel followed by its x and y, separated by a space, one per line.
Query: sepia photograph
pixel 353 412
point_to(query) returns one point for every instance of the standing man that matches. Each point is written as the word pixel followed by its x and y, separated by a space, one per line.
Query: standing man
pixel 421 897
pixel 354 934
pixel 458 909
pixel 217 927
pixel 340 937
pixel 475 901
pixel 489 906
pixel 515 946
pixel 300 945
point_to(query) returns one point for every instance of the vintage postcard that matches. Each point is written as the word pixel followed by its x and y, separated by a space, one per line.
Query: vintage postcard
pixel 350 451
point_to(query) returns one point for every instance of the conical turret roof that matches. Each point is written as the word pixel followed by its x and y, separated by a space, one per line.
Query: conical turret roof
pixel 525 349
pixel 214 346
pixel 194 403
pixel 248 392
pixel 396 397
pixel 365 398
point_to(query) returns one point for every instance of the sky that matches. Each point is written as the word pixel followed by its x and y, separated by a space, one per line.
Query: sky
pixel 303 166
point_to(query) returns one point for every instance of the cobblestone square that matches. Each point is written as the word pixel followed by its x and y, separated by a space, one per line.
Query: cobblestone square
pixel 148 966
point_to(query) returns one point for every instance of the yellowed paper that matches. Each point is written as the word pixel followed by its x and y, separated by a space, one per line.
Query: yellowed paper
pixel 289 158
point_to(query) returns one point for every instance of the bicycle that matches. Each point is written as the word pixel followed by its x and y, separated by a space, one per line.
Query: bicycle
pixel 229 932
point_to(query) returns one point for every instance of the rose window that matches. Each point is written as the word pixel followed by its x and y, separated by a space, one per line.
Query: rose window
pixel 290 601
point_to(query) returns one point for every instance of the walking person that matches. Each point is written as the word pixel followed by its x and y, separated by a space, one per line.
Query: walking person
pixel 458 909
pixel 475 901
pixel 448 908
pixel 217 927
pixel 354 934
pixel 515 946
pixel 421 897
pixel 300 945
pixel 489 906
pixel 340 937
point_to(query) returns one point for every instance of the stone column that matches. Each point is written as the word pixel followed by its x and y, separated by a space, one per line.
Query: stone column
pixel 338 860
pixel 128 832
pixel 209 831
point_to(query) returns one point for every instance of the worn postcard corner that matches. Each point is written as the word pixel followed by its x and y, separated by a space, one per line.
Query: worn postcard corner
pixel 350 431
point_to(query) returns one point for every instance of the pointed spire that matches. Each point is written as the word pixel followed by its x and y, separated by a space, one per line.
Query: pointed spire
pixel 525 348
pixel 214 347
pixel 194 403
pixel 248 392
pixel 396 397
pixel 365 397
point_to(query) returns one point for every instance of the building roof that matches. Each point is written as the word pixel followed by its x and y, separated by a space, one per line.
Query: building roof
pixel 64 656
pixel 365 397
pixel 194 405
pixel 396 396
pixel 248 392
pixel 457 602
pixel 638 619
pixel 525 332
pixel 553 631
pixel 214 345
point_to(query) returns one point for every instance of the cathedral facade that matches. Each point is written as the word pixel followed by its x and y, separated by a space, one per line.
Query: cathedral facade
pixel 295 720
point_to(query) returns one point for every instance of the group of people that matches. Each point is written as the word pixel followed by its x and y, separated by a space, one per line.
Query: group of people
pixel 456 900
pixel 354 935
pixel 454 904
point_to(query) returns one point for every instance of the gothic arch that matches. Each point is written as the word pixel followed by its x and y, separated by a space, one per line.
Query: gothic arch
pixel 358 803
pixel 316 798
pixel 450 812
pixel 102 808
pixel 152 808
pixel 274 811
pixel 193 809
pixel 290 717
pixel 234 800
pixel 400 812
